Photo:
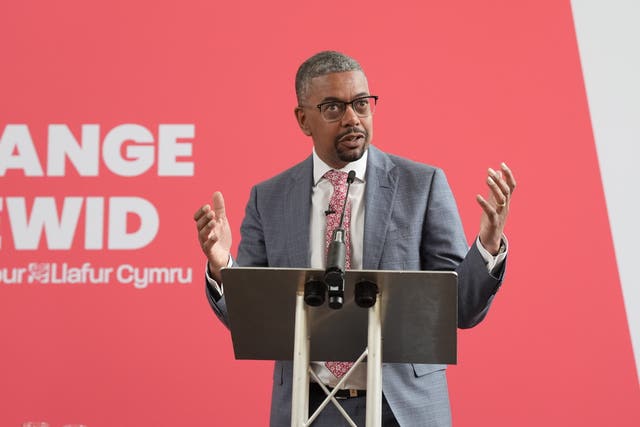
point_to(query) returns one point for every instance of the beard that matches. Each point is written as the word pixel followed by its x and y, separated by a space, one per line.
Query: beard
pixel 347 154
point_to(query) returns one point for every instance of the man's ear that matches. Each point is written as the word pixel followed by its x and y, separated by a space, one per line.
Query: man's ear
pixel 301 118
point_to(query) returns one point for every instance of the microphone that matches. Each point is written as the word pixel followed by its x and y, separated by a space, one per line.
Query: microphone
pixel 336 256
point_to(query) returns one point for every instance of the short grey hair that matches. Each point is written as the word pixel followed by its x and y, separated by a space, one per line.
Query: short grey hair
pixel 320 64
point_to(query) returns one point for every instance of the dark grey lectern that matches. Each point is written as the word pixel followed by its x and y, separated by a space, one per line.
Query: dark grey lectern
pixel 415 315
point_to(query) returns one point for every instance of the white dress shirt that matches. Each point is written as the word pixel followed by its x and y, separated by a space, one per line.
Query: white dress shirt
pixel 320 196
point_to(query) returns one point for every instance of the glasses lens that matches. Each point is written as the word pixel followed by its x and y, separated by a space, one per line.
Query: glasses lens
pixel 333 111
pixel 364 106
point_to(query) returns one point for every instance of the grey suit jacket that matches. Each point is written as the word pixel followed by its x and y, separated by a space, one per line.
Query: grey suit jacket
pixel 411 223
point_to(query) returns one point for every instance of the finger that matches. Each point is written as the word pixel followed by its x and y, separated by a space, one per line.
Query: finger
pixel 500 182
pixel 204 232
pixel 206 220
pixel 486 207
pixel 496 192
pixel 207 236
pixel 208 243
pixel 218 205
pixel 202 211
pixel 511 181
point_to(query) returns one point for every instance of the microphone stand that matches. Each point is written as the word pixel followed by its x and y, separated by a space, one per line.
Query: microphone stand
pixel 336 257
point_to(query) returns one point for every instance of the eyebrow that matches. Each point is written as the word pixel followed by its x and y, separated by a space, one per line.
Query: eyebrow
pixel 333 98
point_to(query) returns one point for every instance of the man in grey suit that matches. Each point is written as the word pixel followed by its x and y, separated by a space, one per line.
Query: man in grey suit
pixel 403 217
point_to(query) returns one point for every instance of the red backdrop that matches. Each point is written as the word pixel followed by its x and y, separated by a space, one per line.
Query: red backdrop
pixel 463 85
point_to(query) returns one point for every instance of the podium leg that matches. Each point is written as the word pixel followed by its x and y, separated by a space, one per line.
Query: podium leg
pixel 300 394
pixel 374 367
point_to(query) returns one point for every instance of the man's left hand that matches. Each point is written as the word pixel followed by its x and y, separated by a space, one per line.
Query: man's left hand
pixel 496 208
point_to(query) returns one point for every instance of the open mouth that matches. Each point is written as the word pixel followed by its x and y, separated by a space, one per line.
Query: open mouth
pixel 352 139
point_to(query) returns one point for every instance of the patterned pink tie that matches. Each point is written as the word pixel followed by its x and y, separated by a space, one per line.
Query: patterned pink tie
pixel 339 182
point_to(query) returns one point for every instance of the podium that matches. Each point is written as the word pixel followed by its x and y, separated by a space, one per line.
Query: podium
pixel 415 316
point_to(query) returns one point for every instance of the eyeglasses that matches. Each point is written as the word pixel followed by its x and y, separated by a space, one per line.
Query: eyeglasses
pixel 332 111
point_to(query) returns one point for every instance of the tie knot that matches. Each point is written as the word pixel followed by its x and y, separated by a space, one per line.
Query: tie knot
pixel 337 178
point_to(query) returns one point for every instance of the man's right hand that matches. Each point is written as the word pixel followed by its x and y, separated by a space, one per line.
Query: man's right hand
pixel 214 235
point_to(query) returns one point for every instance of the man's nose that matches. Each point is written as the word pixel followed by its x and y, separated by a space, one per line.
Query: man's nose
pixel 350 117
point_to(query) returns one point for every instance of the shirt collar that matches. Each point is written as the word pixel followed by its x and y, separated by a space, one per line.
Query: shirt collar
pixel 320 167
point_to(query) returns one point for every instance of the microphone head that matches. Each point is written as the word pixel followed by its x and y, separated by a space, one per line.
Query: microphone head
pixel 351 176
pixel 366 293
pixel 314 292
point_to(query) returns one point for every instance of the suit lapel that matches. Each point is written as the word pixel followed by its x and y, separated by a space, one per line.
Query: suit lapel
pixel 380 193
pixel 297 213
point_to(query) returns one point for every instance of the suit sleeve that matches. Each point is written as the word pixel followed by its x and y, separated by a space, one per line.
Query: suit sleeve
pixel 251 252
pixel 444 247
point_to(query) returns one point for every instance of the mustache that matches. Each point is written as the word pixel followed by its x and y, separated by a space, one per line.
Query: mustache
pixel 352 130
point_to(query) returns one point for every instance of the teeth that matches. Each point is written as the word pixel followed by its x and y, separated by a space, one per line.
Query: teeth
pixel 351 138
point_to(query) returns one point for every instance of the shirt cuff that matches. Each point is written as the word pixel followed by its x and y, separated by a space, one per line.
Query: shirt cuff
pixel 494 262
pixel 218 287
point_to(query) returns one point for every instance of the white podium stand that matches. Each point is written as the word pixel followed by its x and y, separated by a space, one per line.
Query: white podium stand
pixel 415 316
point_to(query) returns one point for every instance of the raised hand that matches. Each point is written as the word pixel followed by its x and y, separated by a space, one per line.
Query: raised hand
pixel 495 209
pixel 214 235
